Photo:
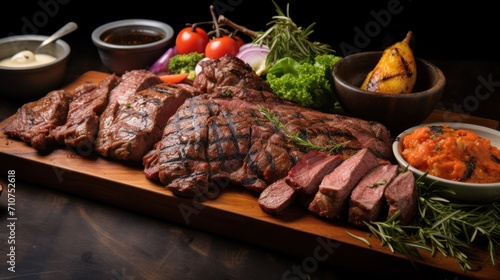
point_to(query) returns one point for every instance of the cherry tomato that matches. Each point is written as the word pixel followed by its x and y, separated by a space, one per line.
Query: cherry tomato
pixel 239 41
pixel 218 47
pixel 191 40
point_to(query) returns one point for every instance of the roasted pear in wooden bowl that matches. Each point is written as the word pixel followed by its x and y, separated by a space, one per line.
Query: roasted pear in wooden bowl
pixel 396 111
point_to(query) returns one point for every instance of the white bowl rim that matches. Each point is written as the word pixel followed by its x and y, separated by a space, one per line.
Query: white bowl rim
pixel 461 185
pixel 130 22
pixel 17 38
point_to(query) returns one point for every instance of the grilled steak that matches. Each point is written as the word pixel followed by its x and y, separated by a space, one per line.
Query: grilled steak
pixel 82 123
pixel 338 185
pixel 227 71
pixel 33 122
pixel 308 173
pixel 132 82
pixel 401 195
pixel 139 125
pixel 224 135
pixel 367 200
pixel 277 197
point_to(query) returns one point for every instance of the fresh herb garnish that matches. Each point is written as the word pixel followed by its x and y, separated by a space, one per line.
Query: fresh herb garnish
pixel 442 227
pixel 286 39
pixel 305 144
pixel 379 183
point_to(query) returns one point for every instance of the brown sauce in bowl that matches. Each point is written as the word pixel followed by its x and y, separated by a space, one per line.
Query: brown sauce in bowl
pixel 453 154
pixel 135 36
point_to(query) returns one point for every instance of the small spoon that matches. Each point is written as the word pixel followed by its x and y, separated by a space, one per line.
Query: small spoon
pixel 30 56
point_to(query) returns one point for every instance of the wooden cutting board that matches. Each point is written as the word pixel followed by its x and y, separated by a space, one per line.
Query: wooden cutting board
pixel 235 213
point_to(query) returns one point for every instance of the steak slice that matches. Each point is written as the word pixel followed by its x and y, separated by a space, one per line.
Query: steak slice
pixel 367 199
pixel 308 173
pixel 80 130
pixel 139 125
pixel 277 197
pixel 132 82
pixel 402 195
pixel 33 122
pixel 338 185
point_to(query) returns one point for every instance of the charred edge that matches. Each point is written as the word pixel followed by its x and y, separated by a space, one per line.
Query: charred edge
pixel 406 65
pixel 436 129
pixel 470 167
pixel 494 158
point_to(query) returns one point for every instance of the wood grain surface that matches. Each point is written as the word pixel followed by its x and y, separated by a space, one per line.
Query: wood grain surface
pixel 235 213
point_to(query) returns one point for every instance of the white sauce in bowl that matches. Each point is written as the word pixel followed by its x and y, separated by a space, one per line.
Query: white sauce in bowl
pixel 25 59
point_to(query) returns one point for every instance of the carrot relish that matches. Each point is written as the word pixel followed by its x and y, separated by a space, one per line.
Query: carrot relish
pixel 453 154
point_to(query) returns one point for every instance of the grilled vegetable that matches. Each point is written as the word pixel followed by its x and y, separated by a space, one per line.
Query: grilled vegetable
pixel 396 71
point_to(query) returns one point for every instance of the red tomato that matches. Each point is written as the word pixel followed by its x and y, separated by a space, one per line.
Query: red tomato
pixel 191 40
pixel 239 41
pixel 218 47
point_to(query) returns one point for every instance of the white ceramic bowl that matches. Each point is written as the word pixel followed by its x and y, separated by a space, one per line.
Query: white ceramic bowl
pixel 466 192
pixel 32 82
pixel 119 58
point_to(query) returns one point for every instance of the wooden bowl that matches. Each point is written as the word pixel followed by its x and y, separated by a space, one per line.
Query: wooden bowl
pixel 396 111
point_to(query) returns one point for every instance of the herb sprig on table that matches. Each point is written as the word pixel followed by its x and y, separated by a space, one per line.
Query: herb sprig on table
pixel 443 227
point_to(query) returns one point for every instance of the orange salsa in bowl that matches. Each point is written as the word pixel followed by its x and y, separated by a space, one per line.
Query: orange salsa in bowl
pixel 452 153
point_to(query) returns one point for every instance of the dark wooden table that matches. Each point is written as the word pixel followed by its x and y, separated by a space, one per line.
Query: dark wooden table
pixel 62 236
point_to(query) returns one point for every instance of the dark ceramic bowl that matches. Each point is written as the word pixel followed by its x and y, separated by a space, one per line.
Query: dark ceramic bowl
pixel 29 83
pixel 396 111
pixel 120 57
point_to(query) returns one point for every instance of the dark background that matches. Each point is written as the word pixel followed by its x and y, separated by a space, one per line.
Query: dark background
pixel 447 31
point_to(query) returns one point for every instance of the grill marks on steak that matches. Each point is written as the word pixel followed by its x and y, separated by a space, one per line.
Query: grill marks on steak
pixel 82 124
pixel 182 161
pixel 139 124
pixel 33 122
pixel 132 82
pixel 223 137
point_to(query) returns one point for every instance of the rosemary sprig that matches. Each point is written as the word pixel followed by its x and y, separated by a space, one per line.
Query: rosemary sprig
pixel 286 39
pixel 305 144
pixel 442 227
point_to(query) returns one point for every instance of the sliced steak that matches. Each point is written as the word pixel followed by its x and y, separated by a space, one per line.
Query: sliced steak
pixel 277 197
pixel 402 195
pixel 132 82
pixel 80 130
pixel 228 71
pixel 308 173
pixel 139 125
pixel 238 131
pixel 367 199
pixel 33 122
pixel 339 184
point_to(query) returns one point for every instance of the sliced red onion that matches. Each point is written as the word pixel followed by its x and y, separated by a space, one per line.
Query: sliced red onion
pixel 160 66
pixel 255 56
